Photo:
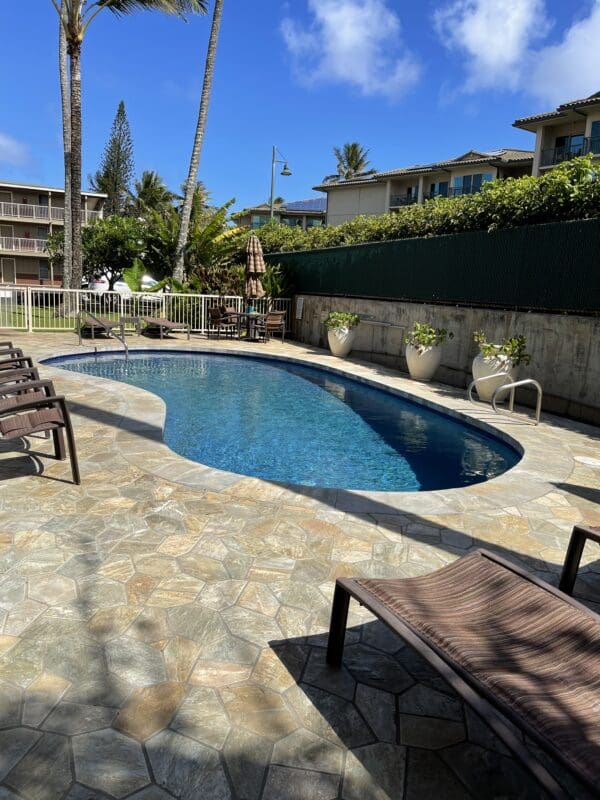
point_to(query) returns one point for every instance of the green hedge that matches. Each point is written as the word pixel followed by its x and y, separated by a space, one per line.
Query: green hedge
pixel 567 192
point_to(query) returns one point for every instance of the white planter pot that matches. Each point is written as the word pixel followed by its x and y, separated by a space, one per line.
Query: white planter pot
pixel 341 341
pixel 488 366
pixel 423 362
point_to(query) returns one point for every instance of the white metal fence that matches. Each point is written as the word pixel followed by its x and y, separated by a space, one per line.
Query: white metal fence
pixel 35 308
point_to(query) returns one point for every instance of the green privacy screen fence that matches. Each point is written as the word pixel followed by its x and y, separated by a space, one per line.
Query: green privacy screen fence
pixel 553 267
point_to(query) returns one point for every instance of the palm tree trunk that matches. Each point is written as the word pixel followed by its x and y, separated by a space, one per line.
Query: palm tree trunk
pixel 186 211
pixel 66 121
pixel 75 59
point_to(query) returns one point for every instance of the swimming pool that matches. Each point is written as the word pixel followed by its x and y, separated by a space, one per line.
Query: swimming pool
pixel 290 423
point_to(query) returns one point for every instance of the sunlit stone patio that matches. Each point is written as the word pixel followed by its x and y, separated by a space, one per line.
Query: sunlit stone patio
pixel 162 626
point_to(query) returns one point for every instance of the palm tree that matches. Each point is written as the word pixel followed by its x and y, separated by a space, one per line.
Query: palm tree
pixel 75 17
pixel 66 121
pixel 190 185
pixel 150 194
pixel 352 160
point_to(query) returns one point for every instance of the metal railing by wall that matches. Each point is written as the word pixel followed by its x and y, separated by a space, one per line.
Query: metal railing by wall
pixel 556 155
pixel 15 244
pixel 31 308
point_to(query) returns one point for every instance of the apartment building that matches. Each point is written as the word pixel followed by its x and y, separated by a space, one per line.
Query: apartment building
pixel 572 129
pixel 383 192
pixel 302 213
pixel 28 215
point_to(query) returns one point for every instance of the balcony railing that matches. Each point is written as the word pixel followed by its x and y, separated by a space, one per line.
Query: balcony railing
pixel 433 195
pixel 38 213
pixel 556 155
pixel 16 245
pixel 402 200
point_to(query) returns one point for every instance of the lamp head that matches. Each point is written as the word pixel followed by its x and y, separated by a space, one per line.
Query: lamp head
pixel 286 170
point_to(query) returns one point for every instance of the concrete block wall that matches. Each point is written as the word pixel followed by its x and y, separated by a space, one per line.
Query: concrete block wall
pixel 565 349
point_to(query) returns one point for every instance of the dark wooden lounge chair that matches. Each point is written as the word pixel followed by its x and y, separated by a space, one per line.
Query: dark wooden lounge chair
pixel 156 326
pixel 16 360
pixel 34 407
pixel 92 326
pixel 21 375
pixel 505 641
pixel 273 322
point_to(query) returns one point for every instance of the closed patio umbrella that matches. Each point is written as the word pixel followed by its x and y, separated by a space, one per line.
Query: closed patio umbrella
pixel 255 267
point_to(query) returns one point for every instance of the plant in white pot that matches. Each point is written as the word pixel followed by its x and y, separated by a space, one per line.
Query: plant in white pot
pixel 424 350
pixel 341 332
pixel 500 360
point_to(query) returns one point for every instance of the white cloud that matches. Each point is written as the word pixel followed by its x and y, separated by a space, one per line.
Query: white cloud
pixel 357 42
pixel 570 69
pixel 494 34
pixel 12 152
pixel 502 41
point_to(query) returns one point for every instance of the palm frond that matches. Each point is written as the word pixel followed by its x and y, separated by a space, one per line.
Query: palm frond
pixel 178 7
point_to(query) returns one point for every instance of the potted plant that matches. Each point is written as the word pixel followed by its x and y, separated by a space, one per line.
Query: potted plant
pixel 424 350
pixel 493 359
pixel 341 332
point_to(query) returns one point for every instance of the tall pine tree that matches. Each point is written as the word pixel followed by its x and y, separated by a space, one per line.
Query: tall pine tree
pixel 116 168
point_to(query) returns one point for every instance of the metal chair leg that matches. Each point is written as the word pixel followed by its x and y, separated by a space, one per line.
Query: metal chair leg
pixel 59 444
pixel 337 626
pixel 71 444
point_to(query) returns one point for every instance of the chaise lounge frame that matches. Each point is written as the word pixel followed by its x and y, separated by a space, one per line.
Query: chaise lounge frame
pixel 484 702
pixel 163 327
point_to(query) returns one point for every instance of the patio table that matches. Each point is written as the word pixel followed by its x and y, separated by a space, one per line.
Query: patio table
pixel 252 319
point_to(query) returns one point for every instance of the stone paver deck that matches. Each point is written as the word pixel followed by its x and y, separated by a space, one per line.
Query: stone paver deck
pixel 162 625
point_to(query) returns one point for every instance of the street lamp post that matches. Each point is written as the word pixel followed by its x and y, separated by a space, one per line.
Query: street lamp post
pixel 285 172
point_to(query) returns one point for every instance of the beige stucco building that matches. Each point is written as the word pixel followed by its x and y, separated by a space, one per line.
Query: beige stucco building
pixel 572 129
pixel 28 215
pixel 381 192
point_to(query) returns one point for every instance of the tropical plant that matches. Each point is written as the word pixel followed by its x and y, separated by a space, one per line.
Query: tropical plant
pixel 569 191
pixel 513 347
pixel 116 167
pixel 276 282
pixel 75 17
pixel 352 160
pixel 191 182
pixel 423 336
pixel 341 319
pixel 149 194
pixel 112 245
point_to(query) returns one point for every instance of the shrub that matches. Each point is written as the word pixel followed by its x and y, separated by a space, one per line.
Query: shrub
pixel 423 335
pixel 513 347
pixel 569 191
pixel 341 319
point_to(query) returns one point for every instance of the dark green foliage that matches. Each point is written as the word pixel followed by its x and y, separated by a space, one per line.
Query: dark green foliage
pixel 567 192
pixel 116 168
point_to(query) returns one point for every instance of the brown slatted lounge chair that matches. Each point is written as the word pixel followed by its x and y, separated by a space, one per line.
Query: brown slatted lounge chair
pixel 579 536
pixel 92 326
pixel 6 346
pixel 162 327
pixel 22 375
pixel 274 322
pixel 16 361
pixel 505 641
pixel 35 407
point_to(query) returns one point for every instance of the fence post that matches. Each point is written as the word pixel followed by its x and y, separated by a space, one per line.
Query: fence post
pixel 28 310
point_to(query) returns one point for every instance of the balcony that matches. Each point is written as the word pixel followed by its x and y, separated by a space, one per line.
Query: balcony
pixel 26 246
pixel 38 213
pixel 433 195
pixel 556 155
pixel 402 200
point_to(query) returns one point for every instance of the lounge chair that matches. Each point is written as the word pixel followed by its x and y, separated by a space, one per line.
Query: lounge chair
pixel 92 326
pixel 34 407
pixel 219 320
pixel 162 327
pixel 20 375
pixel 505 641
pixel 6 346
pixel 273 322
pixel 16 361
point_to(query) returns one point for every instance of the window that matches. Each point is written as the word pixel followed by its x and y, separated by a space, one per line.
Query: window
pixel 313 222
pixel 42 232
pixel 439 189
pixel 571 146
pixel 468 184
pixel 44 270
pixel 258 220
pixel 595 137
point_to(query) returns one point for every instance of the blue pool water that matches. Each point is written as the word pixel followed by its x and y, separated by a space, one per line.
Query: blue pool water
pixel 285 422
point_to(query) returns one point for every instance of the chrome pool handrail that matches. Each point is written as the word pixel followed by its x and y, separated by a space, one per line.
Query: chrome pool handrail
pixel 511 401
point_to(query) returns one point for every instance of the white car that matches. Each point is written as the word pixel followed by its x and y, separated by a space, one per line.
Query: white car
pixel 101 285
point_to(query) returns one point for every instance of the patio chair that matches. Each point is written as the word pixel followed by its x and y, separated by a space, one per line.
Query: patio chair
pixel 505 641
pixel 231 314
pixel 273 322
pixel 6 346
pixel 20 375
pixel 217 321
pixel 158 326
pixel 16 361
pixel 34 407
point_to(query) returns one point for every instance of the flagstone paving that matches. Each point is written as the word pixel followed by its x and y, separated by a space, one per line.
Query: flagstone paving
pixel 162 626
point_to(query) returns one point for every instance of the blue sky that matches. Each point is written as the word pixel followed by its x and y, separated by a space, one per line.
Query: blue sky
pixel 412 81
